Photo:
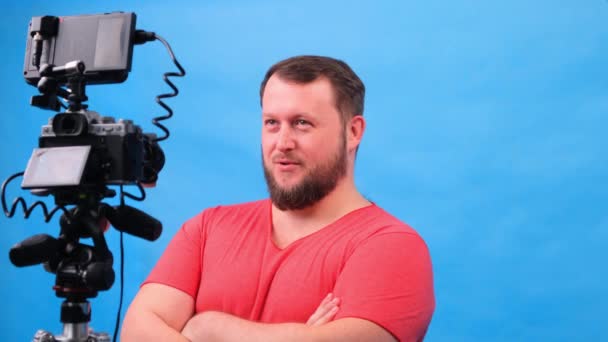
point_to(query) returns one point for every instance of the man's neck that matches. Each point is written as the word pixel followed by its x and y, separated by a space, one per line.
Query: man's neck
pixel 290 225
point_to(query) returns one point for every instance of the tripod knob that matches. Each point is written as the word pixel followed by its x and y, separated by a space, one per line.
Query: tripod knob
pixel 98 337
pixel 99 275
pixel 43 336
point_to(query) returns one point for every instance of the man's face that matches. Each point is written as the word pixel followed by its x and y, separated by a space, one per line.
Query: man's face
pixel 303 142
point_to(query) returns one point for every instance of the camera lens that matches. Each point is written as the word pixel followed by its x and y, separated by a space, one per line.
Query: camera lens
pixel 70 124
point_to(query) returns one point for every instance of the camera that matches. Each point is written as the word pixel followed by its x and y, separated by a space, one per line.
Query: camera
pixel 83 149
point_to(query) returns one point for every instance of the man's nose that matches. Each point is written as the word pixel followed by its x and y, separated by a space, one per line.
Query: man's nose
pixel 285 140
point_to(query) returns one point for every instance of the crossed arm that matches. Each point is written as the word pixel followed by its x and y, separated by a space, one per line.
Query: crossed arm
pixel 163 313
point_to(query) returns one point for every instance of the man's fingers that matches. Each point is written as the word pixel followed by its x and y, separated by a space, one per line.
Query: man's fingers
pixel 325 312
pixel 327 317
pixel 315 315
pixel 321 309
pixel 326 300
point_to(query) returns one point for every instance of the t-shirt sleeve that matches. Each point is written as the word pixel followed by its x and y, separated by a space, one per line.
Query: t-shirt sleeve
pixel 180 264
pixel 388 280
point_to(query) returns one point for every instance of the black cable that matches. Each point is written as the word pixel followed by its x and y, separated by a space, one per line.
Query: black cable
pixel 124 194
pixel 122 284
pixel 133 197
pixel 28 210
pixel 175 92
pixel 122 270
pixel 122 197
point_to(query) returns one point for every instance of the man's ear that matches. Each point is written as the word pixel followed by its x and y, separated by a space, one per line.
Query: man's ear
pixel 354 132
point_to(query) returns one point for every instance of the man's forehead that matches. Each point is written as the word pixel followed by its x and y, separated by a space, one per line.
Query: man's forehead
pixel 321 85
pixel 281 92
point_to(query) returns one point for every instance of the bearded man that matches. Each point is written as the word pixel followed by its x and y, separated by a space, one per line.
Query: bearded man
pixel 316 261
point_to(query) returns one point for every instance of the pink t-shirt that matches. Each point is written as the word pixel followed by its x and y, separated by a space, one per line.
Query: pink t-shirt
pixel 379 267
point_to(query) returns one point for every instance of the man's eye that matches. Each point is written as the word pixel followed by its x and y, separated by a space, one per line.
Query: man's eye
pixel 270 122
pixel 301 122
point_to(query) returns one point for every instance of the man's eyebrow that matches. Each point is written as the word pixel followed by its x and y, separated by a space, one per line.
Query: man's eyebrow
pixel 307 114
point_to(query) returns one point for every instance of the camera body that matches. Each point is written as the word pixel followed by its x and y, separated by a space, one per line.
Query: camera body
pixel 117 148
pixel 84 149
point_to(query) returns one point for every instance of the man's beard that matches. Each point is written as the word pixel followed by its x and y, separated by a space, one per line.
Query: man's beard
pixel 313 187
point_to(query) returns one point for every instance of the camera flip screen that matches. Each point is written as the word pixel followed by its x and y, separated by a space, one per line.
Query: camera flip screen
pixel 55 166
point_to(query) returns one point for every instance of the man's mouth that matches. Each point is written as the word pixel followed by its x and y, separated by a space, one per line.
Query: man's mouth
pixel 285 161
pixel 286 164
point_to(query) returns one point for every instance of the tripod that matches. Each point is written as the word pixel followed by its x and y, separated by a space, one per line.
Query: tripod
pixel 82 270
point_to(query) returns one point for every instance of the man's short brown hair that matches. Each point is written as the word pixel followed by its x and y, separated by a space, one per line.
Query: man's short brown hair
pixel 349 91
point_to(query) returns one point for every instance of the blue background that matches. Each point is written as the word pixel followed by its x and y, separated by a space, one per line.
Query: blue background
pixel 485 133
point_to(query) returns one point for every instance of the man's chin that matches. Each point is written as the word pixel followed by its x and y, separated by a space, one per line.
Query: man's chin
pixel 286 182
pixel 285 188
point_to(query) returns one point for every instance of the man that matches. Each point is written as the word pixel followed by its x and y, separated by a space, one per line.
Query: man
pixel 315 262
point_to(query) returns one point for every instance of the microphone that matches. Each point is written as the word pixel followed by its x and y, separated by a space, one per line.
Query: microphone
pixel 134 221
pixel 34 250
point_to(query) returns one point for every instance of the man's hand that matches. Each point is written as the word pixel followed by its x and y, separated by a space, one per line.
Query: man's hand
pixel 202 326
pixel 325 312
pixel 214 326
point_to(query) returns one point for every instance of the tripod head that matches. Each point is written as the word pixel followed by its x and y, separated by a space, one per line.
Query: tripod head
pixel 82 270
